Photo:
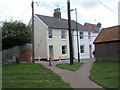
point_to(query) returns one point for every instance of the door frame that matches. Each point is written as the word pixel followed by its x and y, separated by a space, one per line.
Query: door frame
pixel 51 52
pixel 90 51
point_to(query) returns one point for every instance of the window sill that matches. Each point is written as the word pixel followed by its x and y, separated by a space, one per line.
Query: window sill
pixel 50 38
pixel 64 55
pixel 63 39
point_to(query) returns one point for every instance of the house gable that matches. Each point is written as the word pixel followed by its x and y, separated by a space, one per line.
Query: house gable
pixel 41 21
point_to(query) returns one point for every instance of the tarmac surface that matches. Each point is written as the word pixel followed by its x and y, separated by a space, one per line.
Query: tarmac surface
pixel 77 79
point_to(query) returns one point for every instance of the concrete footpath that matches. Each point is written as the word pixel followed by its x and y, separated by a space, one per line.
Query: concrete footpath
pixel 77 79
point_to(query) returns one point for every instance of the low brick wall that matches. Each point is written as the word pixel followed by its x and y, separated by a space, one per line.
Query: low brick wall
pixel 25 54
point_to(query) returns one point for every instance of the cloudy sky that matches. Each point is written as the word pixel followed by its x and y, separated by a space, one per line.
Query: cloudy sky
pixel 90 11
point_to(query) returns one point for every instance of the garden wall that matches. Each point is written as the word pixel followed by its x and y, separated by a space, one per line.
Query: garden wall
pixel 21 53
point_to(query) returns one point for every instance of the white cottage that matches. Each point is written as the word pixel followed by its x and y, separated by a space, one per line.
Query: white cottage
pixel 52 40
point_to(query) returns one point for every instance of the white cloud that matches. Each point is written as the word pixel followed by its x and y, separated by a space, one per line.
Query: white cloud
pixel 88 11
pixel 99 13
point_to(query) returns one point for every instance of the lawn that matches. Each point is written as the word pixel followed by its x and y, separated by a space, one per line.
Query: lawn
pixel 0 76
pixel 31 76
pixel 105 74
pixel 67 66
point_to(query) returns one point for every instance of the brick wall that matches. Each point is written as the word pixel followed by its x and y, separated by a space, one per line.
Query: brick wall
pixel 25 55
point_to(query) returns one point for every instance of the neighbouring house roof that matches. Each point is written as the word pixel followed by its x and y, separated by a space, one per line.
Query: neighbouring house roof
pixel 58 23
pixel 93 27
pixel 108 34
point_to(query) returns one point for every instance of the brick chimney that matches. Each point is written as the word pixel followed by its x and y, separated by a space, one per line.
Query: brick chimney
pixel 57 13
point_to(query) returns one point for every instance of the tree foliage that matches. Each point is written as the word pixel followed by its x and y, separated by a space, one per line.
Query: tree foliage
pixel 15 33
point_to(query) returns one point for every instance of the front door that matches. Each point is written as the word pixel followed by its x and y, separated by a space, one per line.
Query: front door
pixel 51 52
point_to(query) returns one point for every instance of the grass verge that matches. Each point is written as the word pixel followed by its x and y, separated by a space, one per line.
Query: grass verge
pixel 67 66
pixel 31 76
pixel 105 74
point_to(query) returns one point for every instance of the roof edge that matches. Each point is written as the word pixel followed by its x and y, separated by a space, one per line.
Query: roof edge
pixel 106 41
pixel 41 21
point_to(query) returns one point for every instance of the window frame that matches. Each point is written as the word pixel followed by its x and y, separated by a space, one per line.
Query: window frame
pixel 89 35
pixel 50 34
pixel 81 35
pixel 64 50
pixel 82 49
pixel 63 35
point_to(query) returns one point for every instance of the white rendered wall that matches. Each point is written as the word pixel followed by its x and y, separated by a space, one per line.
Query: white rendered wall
pixel 85 42
pixel 57 43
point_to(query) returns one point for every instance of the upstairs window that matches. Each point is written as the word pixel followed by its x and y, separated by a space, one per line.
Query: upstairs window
pixel 81 35
pixel 89 35
pixel 50 34
pixel 63 34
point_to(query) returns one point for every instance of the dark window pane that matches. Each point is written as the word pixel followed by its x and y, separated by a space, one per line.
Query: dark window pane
pixel 50 33
pixel 63 34
pixel 64 49
pixel 82 49
pixel 81 35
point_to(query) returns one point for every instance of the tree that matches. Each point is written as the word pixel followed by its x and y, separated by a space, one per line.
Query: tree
pixel 15 34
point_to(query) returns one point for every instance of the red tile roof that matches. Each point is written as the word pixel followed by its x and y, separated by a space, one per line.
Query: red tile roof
pixel 108 34
pixel 92 27
pixel 89 25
